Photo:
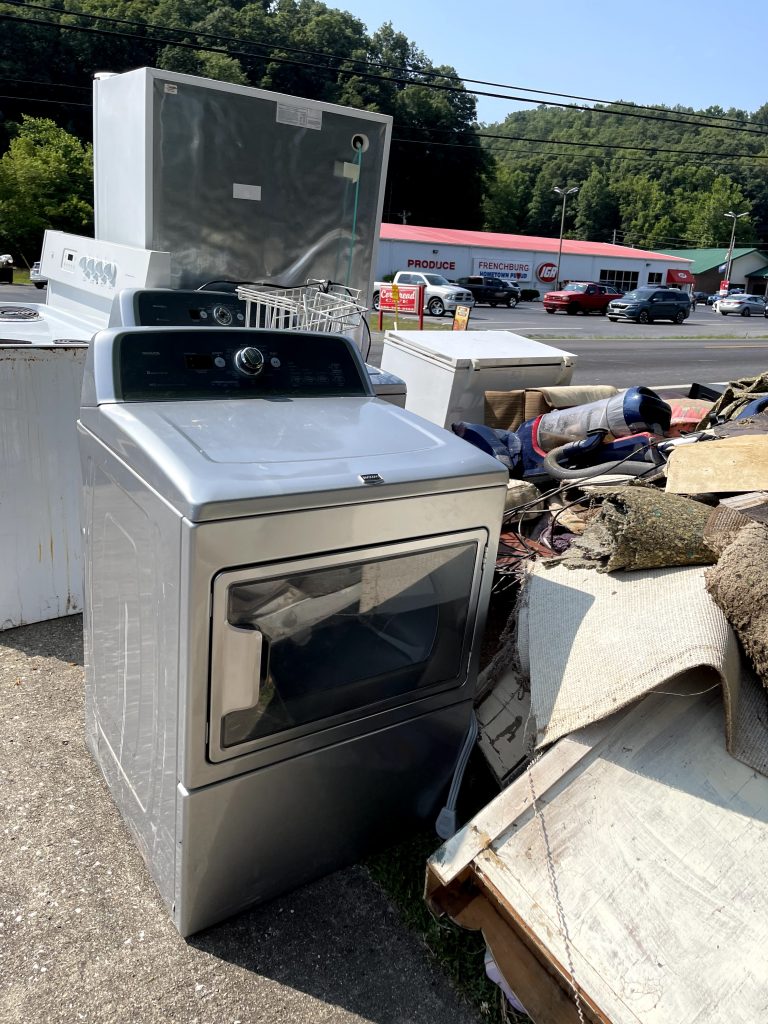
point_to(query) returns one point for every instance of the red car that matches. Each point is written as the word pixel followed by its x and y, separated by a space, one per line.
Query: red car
pixel 581 297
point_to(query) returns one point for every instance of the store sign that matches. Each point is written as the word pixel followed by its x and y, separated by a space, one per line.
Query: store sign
pixel 515 268
pixel 546 272
pixel 417 264
pixel 461 318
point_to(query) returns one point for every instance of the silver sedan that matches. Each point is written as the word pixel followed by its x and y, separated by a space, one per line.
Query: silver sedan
pixel 743 305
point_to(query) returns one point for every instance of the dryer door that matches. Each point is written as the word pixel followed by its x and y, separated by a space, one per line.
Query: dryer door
pixel 329 639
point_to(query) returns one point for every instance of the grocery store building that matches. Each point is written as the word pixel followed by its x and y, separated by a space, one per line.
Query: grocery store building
pixel 529 260
pixel 749 268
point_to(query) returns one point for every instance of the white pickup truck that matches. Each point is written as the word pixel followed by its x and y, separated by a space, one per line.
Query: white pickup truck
pixel 440 295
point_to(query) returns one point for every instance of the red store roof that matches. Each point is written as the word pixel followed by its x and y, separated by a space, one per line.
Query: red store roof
pixel 520 243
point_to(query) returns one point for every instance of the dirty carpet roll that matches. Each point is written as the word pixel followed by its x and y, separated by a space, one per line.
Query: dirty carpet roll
pixel 738 584
pixel 642 528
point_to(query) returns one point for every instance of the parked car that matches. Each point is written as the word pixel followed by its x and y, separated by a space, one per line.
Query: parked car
pixel 6 268
pixel 492 290
pixel 36 277
pixel 743 305
pixel 701 296
pixel 516 290
pixel 581 297
pixel 643 305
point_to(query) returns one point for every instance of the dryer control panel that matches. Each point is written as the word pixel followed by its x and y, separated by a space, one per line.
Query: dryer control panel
pixel 151 365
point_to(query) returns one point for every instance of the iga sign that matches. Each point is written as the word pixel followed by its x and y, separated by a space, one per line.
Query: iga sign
pixel 508 268
pixel 546 272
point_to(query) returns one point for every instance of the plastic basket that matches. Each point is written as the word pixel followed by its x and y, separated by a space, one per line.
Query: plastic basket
pixel 321 307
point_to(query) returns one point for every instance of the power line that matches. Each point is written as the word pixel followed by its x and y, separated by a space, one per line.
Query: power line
pixel 56 85
pixel 393 67
pixel 648 151
pixel 326 69
pixel 593 145
pixel 35 99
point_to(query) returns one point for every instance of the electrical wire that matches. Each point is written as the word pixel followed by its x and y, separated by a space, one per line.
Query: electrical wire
pixel 460 89
pixel 423 72
pixel 592 145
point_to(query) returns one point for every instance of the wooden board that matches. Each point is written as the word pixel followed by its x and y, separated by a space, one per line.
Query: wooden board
pixel 729 464
pixel 658 843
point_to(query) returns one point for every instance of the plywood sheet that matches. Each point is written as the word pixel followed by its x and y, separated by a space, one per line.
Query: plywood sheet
pixel 658 842
pixel 729 464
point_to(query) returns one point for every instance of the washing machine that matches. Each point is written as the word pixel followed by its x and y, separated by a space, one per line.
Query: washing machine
pixel 188 307
pixel 286 583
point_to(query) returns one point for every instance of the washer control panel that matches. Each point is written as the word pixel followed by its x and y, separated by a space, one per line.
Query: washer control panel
pixel 178 364
pixel 162 307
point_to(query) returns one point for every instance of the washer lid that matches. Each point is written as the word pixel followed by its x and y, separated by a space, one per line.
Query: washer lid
pixel 216 460
pixel 476 349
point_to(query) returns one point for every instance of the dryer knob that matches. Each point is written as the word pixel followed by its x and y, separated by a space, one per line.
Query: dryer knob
pixel 249 361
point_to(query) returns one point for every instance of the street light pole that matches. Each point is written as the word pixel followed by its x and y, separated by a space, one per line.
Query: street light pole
pixel 734 217
pixel 564 192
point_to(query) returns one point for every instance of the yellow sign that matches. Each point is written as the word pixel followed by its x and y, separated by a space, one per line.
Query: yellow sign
pixel 461 318
pixel 395 294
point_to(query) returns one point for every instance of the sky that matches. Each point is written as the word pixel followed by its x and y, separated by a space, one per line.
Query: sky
pixel 682 55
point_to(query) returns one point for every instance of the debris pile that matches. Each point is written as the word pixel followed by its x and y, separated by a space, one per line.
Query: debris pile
pixel 635 546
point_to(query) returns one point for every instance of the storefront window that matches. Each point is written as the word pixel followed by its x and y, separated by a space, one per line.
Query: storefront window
pixel 623 280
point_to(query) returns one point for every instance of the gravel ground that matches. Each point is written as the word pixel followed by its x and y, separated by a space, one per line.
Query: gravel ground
pixel 84 937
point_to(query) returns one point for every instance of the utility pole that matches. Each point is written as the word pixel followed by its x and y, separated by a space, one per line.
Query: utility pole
pixel 404 214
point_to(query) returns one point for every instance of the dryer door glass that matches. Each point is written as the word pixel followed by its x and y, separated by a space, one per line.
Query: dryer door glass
pixel 319 642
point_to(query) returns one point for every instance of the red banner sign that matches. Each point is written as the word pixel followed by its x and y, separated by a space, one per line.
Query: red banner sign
pixel 402 297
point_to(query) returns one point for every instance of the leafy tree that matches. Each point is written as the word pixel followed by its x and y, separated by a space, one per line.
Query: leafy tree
pixel 597 210
pixel 506 200
pixel 44 176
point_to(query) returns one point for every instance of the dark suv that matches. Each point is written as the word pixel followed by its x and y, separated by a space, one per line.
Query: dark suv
pixel 644 305
pixel 492 290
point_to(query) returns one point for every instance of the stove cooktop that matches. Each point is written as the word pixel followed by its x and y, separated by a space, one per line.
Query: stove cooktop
pixel 41 325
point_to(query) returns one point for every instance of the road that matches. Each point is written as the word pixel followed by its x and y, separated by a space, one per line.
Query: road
pixel 706 348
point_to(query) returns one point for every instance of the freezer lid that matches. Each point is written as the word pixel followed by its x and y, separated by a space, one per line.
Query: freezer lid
pixel 214 460
pixel 478 350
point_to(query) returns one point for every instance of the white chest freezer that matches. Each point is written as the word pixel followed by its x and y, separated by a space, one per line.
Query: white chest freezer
pixel 447 372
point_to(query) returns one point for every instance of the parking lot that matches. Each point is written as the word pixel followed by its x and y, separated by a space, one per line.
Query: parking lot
pixel 531 318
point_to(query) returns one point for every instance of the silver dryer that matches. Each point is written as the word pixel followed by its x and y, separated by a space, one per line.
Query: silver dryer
pixel 286 582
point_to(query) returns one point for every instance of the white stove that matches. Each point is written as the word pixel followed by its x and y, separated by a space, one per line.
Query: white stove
pixel 42 356
pixel 38 324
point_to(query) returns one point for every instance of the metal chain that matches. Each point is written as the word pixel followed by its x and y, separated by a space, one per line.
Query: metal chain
pixel 555 892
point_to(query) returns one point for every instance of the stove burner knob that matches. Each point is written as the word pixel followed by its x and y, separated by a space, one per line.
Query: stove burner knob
pixel 249 361
pixel 222 315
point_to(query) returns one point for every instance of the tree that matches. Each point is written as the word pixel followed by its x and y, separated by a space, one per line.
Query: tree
pixel 597 211
pixel 506 200
pixel 46 181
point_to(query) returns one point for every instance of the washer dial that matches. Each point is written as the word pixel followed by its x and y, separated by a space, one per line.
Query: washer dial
pixel 249 361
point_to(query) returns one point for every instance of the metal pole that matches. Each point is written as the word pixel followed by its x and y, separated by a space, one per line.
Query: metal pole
pixel 730 250
pixel 560 247
pixel 564 192
pixel 735 217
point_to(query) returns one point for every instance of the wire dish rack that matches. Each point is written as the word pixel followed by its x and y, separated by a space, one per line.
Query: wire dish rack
pixel 317 306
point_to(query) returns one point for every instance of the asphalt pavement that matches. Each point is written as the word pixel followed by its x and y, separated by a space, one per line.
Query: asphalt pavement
pixel 84 936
